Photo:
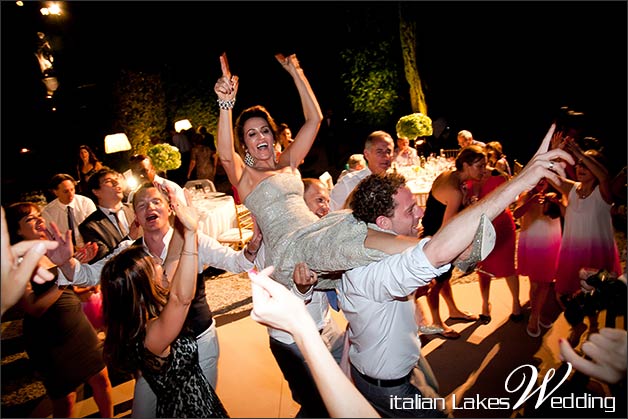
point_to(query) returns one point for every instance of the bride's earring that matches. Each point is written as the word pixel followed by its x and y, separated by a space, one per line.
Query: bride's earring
pixel 248 159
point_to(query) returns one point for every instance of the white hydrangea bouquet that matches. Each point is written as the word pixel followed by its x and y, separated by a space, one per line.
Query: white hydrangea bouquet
pixel 414 125
pixel 165 157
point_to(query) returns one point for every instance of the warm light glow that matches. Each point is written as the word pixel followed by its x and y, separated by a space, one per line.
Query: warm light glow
pixel 19 3
pixel 25 150
pixel 116 142
pixel 52 9
pixel 182 125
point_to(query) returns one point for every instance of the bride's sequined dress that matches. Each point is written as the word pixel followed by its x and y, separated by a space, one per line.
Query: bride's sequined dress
pixel 292 233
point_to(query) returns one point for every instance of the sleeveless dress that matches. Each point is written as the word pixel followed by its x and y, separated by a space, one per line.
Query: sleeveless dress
pixel 538 246
pixel 432 221
pixel 292 233
pixel 62 344
pixel 500 262
pixel 588 240
pixel 177 380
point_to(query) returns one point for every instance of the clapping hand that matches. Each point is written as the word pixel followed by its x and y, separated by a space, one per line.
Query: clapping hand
pixel 185 212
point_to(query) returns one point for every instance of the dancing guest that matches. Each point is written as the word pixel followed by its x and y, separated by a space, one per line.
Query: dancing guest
pixel 59 340
pixel 162 241
pixel 447 197
pixel 588 237
pixel 148 327
pixel 500 263
pixel 537 248
pixel 496 158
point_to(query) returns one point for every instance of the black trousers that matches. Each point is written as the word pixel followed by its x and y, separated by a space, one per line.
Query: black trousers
pixel 297 373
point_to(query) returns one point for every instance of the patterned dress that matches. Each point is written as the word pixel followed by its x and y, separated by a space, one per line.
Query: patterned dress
pixel 177 380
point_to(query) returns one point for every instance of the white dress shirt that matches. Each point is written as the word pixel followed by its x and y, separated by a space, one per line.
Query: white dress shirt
pixel 57 212
pixel 210 253
pixel 344 187
pixel 378 302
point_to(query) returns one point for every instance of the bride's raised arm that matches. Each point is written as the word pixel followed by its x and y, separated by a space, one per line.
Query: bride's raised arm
pixel 300 147
pixel 226 89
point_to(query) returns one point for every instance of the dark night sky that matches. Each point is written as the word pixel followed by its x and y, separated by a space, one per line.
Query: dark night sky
pixel 499 69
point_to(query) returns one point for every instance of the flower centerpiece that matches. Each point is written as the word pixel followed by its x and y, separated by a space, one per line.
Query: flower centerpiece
pixel 414 126
pixel 165 157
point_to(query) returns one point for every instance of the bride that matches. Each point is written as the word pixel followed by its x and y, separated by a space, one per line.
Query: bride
pixel 271 187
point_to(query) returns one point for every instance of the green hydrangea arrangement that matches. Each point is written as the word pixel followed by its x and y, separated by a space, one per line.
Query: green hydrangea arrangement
pixel 165 157
pixel 414 125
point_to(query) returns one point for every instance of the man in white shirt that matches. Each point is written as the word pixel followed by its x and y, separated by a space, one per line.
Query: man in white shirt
pixel 378 299
pixel 68 207
pixel 405 155
pixel 142 168
pixel 378 152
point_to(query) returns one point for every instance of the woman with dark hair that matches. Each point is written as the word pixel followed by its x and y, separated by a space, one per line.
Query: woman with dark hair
pixel 448 196
pixel 59 340
pixel 87 165
pixel 147 329
pixel 271 188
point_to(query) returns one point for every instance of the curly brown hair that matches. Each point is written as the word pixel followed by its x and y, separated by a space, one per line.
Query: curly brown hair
pixel 374 196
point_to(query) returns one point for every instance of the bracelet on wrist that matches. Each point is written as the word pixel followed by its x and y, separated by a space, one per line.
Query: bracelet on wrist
pixel 226 104
pixel 248 252
pixel 188 253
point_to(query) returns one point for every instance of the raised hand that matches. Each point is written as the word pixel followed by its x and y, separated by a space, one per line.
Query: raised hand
pixel 65 250
pixel 290 63
pixel 226 87
pixel 546 164
pixel 186 213
pixel 86 253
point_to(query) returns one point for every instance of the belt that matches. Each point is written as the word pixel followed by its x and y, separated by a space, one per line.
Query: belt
pixel 383 383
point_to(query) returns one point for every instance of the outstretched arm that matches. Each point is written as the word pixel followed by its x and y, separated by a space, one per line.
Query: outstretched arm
pixel 298 149
pixel 455 236
pixel 275 306
pixel 226 89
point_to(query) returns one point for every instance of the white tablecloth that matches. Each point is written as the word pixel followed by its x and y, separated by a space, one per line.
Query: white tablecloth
pixel 216 213
pixel 420 178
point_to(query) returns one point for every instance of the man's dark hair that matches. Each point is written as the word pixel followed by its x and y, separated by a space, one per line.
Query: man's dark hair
pixel 374 196
pixel 59 178
pixel 94 180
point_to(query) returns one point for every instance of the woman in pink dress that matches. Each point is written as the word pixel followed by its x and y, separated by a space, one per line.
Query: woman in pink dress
pixel 500 263
pixel 539 242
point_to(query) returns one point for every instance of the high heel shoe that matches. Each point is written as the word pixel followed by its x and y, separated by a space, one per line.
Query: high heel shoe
pixel 482 244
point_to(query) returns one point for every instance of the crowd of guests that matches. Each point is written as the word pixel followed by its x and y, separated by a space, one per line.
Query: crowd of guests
pixel 364 247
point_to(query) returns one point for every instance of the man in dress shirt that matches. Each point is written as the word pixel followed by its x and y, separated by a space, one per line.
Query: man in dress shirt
pixel 405 155
pixel 378 152
pixel 162 241
pixel 288 356
pixel 63 187
pixel 142 168
pixel 378 299
pixel 114 220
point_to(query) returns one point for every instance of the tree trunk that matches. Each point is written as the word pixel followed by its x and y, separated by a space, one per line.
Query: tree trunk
pixel 407 35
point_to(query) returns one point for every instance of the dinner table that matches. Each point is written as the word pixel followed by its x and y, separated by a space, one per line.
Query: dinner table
pixel 216 211
pixel 420 176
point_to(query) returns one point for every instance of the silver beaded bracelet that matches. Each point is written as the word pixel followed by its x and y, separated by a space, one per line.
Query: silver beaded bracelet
pixel 226 104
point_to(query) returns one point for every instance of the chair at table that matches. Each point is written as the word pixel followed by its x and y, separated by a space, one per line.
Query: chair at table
pixel 450 153
pixel 239 236
pixel 204 184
